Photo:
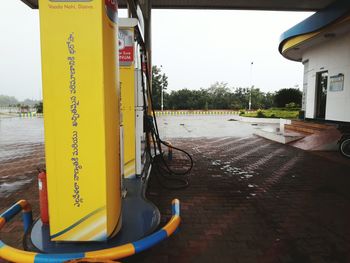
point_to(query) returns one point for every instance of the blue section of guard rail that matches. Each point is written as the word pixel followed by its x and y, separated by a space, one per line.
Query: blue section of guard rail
pixel 27 218
pixel 11 212
pixel 317 21
pixel 149 241
pixel 57 258
pixel 157 237
pixel 14 210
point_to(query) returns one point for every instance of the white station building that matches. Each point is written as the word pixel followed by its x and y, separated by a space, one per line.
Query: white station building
pixel 322 44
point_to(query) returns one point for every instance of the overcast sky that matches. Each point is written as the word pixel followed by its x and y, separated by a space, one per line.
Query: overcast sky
pixel 195 48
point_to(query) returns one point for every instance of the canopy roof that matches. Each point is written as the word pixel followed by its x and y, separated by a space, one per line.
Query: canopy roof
pixel 292 5
pixel 323 26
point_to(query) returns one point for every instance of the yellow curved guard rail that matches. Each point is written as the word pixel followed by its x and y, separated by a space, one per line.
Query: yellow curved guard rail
pixel 16 255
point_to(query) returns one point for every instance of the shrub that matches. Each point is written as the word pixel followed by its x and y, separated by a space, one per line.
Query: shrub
pixel 291 105
pixel 285 109
pixel 241 112
pixel 286 96
pixel 260 114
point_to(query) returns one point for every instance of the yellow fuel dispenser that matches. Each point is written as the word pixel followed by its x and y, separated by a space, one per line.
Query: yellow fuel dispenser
pixel 84 145
pixel 131 97
pixel 81 119
pixel 127 82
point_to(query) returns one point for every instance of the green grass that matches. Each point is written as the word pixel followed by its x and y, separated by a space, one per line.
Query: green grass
pixel 273 113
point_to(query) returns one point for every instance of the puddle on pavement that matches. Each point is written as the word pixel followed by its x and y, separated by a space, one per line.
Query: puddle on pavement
pixel 228 169
pixel 8 188
pixel 17 152
pixel 270 129
pixel 232 171
pixel 185 127
pixel 216 162
pixel 19 137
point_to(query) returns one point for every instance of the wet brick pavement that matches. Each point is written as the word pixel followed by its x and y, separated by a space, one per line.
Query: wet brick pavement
pixel 250 200
pixel 18 181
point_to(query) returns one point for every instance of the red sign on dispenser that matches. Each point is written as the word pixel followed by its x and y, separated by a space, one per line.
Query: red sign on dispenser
pixel 126 47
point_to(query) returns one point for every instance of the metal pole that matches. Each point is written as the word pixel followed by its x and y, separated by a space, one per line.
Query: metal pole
pixel 251 86
pixel 161 97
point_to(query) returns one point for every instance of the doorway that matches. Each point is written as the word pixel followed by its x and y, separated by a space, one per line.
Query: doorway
pixel 321 94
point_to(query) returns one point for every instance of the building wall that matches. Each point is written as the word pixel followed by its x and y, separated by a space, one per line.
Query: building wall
pixel 333 56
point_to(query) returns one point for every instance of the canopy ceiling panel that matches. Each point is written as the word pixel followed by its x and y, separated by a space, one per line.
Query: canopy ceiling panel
pixel 293 5
pixel 243 4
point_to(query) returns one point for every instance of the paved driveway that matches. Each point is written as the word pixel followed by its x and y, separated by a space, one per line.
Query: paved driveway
pixel 206 126
pixel 252 200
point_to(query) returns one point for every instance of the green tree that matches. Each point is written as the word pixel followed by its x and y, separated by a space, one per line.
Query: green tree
pixel 241 98
pixel 184 99
pixel 204 100
pixel 159 83
pixel 29 102
pixel 286 96
pixel 269 100
pixel 257 98
pixel 39 107
pixel 7 100
pixel 220 95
